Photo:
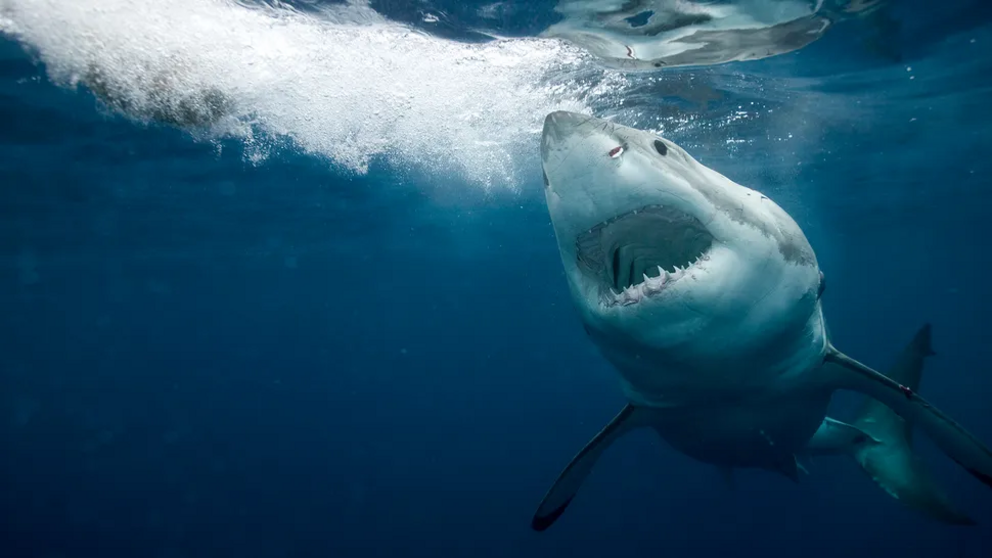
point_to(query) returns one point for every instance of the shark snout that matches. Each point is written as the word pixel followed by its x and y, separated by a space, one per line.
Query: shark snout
pixel 563 121
pixel 558 127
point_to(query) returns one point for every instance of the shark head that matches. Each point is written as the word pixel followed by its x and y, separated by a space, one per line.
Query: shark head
pixel 665 253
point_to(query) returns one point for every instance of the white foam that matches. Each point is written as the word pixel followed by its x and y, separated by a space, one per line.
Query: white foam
pixel 343 83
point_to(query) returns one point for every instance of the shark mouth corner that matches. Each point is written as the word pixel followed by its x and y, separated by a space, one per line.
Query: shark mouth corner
pixel 641 253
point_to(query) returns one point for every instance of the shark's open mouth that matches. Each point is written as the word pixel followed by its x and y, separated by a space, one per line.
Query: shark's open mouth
pixel 642 252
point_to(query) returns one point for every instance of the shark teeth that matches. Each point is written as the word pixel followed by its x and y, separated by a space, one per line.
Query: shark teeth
pixel 650 285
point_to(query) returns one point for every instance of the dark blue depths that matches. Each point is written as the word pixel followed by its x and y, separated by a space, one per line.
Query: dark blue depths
pixel 202 357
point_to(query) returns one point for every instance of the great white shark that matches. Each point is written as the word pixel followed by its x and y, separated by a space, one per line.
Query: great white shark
pixel 705 296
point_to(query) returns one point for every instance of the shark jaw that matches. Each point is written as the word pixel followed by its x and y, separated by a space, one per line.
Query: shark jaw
pixel 641 253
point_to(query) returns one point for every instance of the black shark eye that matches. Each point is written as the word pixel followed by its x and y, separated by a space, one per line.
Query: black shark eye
pixel 660 147
pixel 823 286
pixel 544 175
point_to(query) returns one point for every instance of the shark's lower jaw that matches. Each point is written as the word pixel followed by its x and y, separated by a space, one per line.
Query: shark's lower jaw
pixel 642 253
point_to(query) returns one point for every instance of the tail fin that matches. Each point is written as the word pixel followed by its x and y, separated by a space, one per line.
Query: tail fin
pixel 888 457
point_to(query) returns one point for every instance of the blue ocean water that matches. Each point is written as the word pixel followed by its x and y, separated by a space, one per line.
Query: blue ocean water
pixel 334 322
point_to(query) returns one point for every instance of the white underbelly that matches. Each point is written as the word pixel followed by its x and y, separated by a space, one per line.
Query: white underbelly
pixel 726 402
pixel 661 379
pixel 720 367
pixel 737 413
pixel 670 385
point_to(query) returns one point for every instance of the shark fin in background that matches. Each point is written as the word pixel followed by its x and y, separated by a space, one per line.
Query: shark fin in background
pixel 886 452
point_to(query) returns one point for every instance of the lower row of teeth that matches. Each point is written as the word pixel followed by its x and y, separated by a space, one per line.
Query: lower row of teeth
pixel 649 286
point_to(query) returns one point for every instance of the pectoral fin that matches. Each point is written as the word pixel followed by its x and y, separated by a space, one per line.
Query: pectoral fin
pixel 959 444
pixel 891 462
pixel 790 467
pixel 877 418
pixel 571 478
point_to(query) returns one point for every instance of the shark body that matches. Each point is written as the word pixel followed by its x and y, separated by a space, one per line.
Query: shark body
pixel 705 297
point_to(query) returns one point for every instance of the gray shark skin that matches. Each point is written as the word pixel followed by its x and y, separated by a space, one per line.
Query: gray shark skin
pixel 880 441
pixel 704 295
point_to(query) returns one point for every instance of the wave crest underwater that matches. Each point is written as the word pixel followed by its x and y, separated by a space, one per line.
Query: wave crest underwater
pixel 342 82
